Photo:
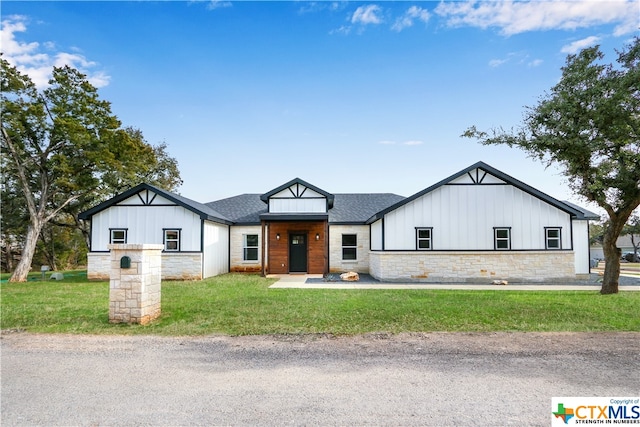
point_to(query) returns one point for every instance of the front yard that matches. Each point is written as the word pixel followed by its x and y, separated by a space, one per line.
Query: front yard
pixel 237 304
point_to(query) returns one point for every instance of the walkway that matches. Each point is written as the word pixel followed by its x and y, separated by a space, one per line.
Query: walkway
pixel 299 281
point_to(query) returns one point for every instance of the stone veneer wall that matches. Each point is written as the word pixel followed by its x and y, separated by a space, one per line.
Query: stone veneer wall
pixel 175 266
pixel 336 263
pixel 134 292
pixel 181 266
pixel 98 265
pixel 238 264
pixel 470 267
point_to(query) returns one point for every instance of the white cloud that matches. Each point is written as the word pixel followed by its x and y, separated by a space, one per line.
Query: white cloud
pixel 216 4
pixel 37 60
pixel 412 14
pixel 318 6
pixel 535 63
pixel 497 62
pixel 345 29
pixel 514 17
pixel 578 45
pixel 409 143
pixel 366 15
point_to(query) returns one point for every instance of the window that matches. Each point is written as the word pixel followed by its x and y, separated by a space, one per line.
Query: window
pixel 172 240
pixel 250 247
pixel 553 238
pixel 349 247
pixel 502 239
pixel 118 235
pixel 423 239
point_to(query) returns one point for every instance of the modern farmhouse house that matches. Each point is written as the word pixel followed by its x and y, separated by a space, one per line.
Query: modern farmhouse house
pixel 477 225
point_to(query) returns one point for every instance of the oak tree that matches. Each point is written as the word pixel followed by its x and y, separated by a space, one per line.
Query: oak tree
pixel 63 149
pixel 589 125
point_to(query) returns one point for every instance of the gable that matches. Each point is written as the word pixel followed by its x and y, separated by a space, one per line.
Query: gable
pixel 481 173
pixel 148 195
pixel 477 176
pixel 146 198
pixel 298 197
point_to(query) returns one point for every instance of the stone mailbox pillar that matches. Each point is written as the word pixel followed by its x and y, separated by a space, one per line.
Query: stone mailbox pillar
pixel 134 288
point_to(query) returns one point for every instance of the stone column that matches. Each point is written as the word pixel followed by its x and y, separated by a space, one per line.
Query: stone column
pixel 134 288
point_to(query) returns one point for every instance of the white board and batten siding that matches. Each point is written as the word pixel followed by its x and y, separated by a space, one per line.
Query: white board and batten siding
pixel 463 217
pixel 297 199
pixel 581 246
pixel 144 219
pixel 216 249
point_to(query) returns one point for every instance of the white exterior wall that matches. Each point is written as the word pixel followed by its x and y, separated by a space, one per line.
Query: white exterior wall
pixel 463 218
pixel 216 249
pixel 144 224
pixel 238 264
pixel 473 267
pixel 336 263
pixel 297 199
pixel 581 246
pixel 376 235
pixel 297 205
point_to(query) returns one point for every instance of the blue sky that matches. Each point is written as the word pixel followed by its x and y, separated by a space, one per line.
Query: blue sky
pixel 349 96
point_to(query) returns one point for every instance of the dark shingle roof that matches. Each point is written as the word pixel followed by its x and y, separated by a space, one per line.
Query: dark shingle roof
pixel 358 208
pixel 347 208
pixel 242 209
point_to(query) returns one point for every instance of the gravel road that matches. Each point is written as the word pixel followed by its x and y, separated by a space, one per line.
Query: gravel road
pixel 434 379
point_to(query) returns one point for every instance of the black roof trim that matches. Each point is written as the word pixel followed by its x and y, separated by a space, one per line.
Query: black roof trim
pixel 573 211
pixel 203 211
pixel 586 214
pixel 329 196
pixel 294 217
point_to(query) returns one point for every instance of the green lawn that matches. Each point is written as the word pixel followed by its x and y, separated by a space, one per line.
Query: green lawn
pixel 238 304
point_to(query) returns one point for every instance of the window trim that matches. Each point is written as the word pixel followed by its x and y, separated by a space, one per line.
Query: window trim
pixel 419 239
pixel 245 247
pixel 547 238
pixel 496 238
pixel 111 239
pixel 165 240
pixel 354 247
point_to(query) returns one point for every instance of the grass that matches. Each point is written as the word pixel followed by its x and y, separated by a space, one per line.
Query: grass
pixel 237 304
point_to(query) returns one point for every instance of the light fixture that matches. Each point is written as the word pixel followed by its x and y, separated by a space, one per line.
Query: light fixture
pixel 278 236
pixel 317 236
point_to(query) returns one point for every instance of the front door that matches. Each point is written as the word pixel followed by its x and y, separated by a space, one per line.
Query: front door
pixel 297 253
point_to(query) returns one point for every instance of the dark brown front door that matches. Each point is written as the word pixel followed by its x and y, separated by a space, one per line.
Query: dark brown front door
pixel 298 253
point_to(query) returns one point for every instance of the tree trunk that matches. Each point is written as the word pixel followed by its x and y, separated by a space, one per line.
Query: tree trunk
pixel 611 258
pixel 30 242
pixel 9 255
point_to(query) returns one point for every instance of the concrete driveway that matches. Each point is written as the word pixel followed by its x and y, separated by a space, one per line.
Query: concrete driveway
pixel 435 379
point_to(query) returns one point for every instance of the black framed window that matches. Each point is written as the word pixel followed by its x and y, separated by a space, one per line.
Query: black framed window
pixel 424 237
pixel 349 247
pixel 172 239
pixel 250 247
pixel 553 237
pixel 502 238
pixel 117 235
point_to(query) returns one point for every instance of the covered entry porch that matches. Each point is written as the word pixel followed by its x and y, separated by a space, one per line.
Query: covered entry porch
pixel 297 245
